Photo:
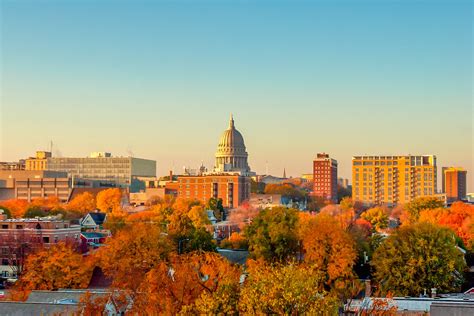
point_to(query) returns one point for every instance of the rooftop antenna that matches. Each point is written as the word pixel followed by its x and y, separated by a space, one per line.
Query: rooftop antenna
pixel 51 147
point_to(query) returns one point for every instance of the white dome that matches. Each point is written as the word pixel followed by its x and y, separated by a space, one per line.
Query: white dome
pixel 231 153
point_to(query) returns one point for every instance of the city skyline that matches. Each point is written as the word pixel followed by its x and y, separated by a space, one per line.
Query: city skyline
pixel 359 79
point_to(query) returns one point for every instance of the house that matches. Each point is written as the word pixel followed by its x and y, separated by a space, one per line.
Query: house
pixel 93 240
pixel 60 302
pixel 93 220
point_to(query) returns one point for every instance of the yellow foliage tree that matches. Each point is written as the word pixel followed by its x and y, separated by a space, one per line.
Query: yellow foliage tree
pixel 83 203
pixel 289 289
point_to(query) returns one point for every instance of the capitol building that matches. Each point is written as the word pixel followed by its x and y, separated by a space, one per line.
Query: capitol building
pixel 231 154
pixel 230 178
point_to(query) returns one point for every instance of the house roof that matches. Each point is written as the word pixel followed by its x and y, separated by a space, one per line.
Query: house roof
pixel 98 217
pixel 234 256
pixel 93 235
pixel 99 280
pixel 62 296
pixel 8 308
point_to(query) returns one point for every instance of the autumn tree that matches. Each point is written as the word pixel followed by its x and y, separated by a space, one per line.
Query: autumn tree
pixel 344 216
pixel 58 266
pixel 109 200
pixel 329 249
pixel 235 241
pixel 417 257
pixel 82 203
pixel 188 226
pixel 286 190
pixel 17 207
pixel 414 207
pixel 459 217
pixel 195 283
pixel 133 252
pixel 377 217
pixel 285 289
pixel 273 235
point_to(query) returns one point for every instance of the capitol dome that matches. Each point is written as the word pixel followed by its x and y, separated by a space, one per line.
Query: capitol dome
pixel 231 153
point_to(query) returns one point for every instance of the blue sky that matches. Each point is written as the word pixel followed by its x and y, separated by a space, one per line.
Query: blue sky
pixel 159 79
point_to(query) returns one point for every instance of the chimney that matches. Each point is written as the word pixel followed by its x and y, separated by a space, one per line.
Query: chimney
pixel 171 175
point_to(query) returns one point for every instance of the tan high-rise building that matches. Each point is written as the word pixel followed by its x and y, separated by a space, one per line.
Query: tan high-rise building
pixel 454 183
pixel 38 163
pixel 392 179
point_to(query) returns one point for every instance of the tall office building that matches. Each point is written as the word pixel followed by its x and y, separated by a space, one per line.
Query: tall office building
pixel 392 179
pixel 454 183
pixel 325 177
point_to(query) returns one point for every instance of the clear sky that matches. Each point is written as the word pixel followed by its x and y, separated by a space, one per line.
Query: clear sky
pixel 159 79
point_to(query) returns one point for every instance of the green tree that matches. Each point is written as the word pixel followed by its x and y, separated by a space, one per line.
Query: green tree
pixel 414 207
pixel 216 205
pixel 272 235
pixel 6 211
pixel 418 257
pixel 35 211
pixel 289 289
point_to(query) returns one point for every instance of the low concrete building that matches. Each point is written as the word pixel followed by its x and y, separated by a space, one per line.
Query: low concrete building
pixel 29 185
pixel 262 201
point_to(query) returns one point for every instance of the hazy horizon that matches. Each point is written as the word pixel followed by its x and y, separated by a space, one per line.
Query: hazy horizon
pixel 159 80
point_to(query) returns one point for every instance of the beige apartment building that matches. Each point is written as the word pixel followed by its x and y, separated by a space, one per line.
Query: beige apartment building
pixel 393 179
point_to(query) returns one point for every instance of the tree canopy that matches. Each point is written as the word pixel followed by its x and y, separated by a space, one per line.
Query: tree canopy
pixel 273 235
pixel 417 257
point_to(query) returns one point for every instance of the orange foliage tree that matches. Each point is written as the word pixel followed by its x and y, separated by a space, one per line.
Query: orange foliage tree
pixel 16 207
pixel 133 252
pixel 83 203
pixel 50 203
pixel 459 217
pixel 109 200
pixel 330 249
pixel 190 284
pixel 58 266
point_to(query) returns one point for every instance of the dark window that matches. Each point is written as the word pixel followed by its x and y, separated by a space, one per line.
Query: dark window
pixel 46 240
pixel 4 226
pixel 19 226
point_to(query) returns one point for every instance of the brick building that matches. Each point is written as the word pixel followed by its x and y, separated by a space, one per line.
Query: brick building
pixel 232 189
pixel 325 177
pixel 454 183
